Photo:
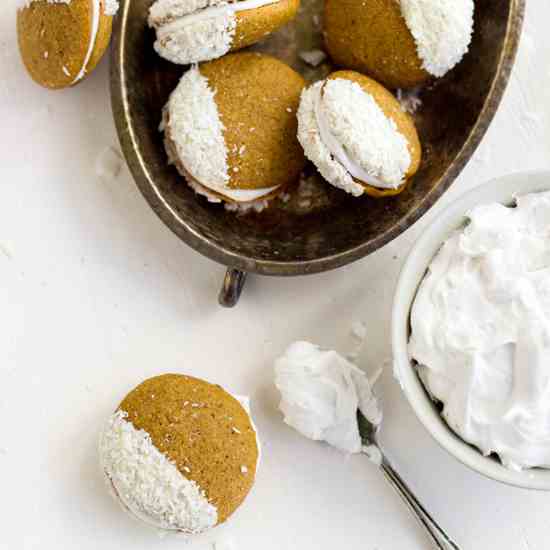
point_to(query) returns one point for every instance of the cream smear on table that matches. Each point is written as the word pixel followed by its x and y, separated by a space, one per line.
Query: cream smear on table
pixel 481 331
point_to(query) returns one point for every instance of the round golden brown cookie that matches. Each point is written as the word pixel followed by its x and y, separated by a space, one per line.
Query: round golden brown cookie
pixel 192 447
pixel 254 25
pixel 230 128
pixel 61 43
pixel 257 98
pixel 373 38
pixel 403 121
pixel 357 135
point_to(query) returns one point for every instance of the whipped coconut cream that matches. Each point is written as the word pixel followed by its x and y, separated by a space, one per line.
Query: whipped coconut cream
pixel 195 141
pixel 320 394
pixel 189 31
pixel 481 331
pixel 348 137
pixel 147 484
pixel 442 31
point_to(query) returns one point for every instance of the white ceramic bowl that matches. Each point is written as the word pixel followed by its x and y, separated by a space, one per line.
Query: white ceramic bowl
pixel 501 190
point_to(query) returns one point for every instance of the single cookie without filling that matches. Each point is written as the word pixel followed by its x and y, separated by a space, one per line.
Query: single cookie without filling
pixel 62 41
pixel 401 43
pixel 357 135
pixel 180 454
pixel 189 31
pixel 230 129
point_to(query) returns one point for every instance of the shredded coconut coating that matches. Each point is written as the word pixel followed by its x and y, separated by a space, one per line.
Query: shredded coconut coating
pixel 321 392
pixel 185 42
pixel 370 139
pixel 197 130
pixel 442 30
pixel 148 484
pixel 197 30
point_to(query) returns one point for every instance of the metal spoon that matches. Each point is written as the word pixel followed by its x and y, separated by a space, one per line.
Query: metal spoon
pixel 369 436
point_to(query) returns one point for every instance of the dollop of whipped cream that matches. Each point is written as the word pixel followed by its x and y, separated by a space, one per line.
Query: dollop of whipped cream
pixel 481 331
pixel 321 392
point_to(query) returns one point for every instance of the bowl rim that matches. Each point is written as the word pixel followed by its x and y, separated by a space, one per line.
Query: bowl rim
pixel 502 189
pixel 220 254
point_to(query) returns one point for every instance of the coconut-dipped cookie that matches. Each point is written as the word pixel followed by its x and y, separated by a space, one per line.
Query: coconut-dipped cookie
pixel 61 41
pixel 401 43
pixel 189 31
pixel 179 454
pixel 230 129
pixel 357 135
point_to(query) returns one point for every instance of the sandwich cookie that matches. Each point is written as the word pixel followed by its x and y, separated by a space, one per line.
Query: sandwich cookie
pixel 230 129
pixel 401 43
pixel 62 41
pixel 179 454
pixel 357 135
pixel 189 31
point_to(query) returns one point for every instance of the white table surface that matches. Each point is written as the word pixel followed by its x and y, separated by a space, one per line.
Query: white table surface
pixel 96 295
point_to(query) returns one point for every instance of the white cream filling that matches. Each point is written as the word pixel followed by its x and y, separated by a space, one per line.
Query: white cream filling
pixel 96 7
pixel 237 195
pixel 336 149
pixel 211 13
pixel 480 327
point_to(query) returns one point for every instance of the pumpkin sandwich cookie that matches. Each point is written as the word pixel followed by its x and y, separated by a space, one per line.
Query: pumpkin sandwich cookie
pixel 179 454
pixel 401 43
pixel 230 129
pixel 357 135
pixel 62 41
pixel 189 31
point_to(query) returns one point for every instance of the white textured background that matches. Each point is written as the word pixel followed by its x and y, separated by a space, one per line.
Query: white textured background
pixel 96 294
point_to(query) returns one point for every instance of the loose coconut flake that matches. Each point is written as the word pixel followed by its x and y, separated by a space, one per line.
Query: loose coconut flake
pixel 442 30
pixel 363 140
pixel 110 7
pixel 148 484
pixel 313 57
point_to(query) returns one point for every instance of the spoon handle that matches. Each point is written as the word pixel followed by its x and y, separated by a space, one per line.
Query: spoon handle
pixel 439 537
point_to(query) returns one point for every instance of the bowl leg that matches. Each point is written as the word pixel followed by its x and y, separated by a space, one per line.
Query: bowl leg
pixel 233 284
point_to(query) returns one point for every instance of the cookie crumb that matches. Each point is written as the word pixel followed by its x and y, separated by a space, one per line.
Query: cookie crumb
pixel 109 163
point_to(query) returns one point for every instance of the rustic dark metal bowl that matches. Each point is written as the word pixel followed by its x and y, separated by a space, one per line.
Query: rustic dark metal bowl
pixel 321 228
